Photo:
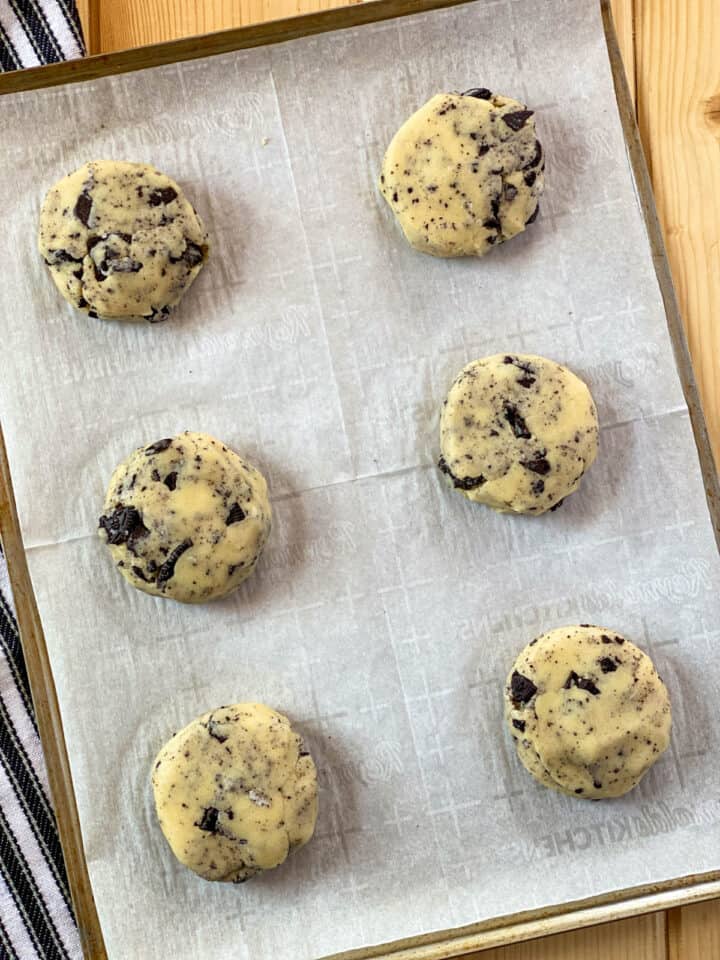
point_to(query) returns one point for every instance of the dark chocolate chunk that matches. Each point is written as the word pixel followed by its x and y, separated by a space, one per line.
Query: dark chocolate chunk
pixel 213 730
pixel 538 487
pixel 517 119
pixel 461 483
pixel 209 820
pixel 192 255
pixel 492 224
pixel 123 525
pixel 236 514
pixel 480 93
pixel 161 195
pixel 138 571
pixel 170 480
pixel 522 689
pixel 579 790
pixel 482 149
pixel 606 639
pixel 100 276
pixel 519 725
pixel 520 364
pixel 83 207
pixel 155 475
pixel 533 216
pixel 510 191
pixel 582 683
pixel 516 421
pixel 526 381
pixel 597 784
pixel 608 665
pixel 530 178
pixel 534 161
pixel 557 505
pixel 158 446
pixel 538 465
pixel 61 256
pixel 159 315
pixel 167 570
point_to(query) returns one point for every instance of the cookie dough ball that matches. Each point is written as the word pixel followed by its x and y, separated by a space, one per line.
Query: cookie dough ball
pixel 517 432
pixel 587 711
pixel 186 518
pixel 464 173
pixel 121 240
pixel 235 792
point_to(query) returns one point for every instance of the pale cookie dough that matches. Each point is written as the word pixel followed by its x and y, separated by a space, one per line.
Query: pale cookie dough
pixel 121 241
pixel 464 173
pixel 517 432
pixel 186 518
pixel 235 792
pixel 587 711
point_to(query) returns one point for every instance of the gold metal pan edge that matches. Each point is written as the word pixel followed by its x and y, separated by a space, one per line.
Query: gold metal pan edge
pixel 212 44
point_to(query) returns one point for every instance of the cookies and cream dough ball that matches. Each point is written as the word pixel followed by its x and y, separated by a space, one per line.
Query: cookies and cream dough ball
pixel 587 711
pixel 235 792
pixel 517 432
pixel 464 173
pixel 186 518
pixel 121 241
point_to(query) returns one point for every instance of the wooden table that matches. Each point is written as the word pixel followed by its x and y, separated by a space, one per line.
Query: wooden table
pixel 671 50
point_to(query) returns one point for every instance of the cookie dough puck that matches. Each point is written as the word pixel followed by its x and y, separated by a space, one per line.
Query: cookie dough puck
pixel 587 711
pixel 186 518
pixel 517 432
pixel 464 173
pixel 121 241
pixel 235 792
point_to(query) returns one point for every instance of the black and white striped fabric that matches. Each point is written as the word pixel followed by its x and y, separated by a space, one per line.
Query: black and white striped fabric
pixel 38 31
pixel 36 918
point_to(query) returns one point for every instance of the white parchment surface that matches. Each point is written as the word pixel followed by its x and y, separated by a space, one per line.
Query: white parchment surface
pixel 387 610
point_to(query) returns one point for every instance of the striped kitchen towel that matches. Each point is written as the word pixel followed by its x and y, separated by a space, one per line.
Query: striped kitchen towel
pixel 36 917
pixel 38 31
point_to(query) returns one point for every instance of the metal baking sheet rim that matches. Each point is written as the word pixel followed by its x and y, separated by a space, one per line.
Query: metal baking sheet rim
pixel 440 945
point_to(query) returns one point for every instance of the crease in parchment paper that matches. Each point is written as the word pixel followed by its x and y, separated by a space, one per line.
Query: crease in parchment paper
pixel 379 475
pixel 308 248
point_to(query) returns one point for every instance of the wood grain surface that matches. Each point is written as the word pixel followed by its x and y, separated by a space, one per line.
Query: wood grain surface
pixel 677 55
pixel 670 49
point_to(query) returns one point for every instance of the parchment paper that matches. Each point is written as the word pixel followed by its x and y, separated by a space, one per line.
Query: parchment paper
pixel 387 610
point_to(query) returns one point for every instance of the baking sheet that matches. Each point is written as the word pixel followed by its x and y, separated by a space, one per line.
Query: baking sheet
pixel 386 611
